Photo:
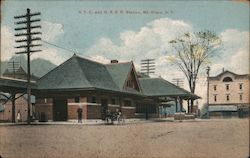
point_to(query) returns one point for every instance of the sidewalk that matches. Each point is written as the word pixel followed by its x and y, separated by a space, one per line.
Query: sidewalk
pixel 91 122
pixel 75 122
pixel 101 122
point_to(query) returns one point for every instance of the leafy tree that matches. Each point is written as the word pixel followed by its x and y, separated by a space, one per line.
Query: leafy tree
pixel 193 51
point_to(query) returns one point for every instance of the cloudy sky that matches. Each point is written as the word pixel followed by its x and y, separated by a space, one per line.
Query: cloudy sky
pixel 133 30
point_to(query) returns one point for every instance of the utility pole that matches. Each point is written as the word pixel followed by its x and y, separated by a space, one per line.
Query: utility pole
pixel 178 82
pixel 13 66
pixel 148 66
pixel 208 69
pixel 28 44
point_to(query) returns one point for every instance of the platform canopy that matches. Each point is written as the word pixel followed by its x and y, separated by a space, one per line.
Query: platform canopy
pixel 158 87
pixel 11 85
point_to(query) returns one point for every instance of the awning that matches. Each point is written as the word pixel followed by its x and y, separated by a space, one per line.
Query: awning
pixel 221 108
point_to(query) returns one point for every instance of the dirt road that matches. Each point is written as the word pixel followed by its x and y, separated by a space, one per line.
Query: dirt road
pixel 207 139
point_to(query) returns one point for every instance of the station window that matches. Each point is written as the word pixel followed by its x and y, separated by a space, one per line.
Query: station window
pixel 93 99
pixel 227 87
pixel 228 98
pixel 127 103
pixel 77 99
pixel 130 83
pixel 215 98
pixel 113 101
pixel 215 87
pixel 139 108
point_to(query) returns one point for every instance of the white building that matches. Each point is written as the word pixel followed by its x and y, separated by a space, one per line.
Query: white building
pixel 229 95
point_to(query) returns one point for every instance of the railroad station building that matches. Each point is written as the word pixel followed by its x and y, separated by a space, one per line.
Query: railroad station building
pixel 97 87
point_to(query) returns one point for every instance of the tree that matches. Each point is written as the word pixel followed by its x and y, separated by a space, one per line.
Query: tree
pixel 193 51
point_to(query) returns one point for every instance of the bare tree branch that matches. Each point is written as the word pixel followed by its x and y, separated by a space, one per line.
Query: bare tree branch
pixel 193 50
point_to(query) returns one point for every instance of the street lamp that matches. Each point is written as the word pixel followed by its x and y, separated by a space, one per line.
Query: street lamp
pixel 208 69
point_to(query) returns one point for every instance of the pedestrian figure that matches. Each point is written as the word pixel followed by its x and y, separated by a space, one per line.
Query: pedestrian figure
pixel 18 116
pixel 107 115
pixel 118 115
pixel 79 113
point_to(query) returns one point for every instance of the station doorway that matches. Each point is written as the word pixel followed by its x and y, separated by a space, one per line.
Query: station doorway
pixel 60 109
pixel 104 108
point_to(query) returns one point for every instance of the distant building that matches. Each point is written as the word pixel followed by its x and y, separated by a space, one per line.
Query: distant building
pixel 21 106
pixel 20 102
pixel 19 74
pixel 229 95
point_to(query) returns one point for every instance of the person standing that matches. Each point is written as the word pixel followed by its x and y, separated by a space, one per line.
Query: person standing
pixel 18 116
pixel 79 113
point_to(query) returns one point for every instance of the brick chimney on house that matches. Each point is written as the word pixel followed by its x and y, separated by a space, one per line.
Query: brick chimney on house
pixel 113 61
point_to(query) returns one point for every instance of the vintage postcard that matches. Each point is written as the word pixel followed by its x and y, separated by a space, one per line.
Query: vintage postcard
pixel 124 79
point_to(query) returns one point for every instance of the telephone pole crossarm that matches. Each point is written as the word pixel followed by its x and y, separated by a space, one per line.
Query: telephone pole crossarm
pixel 27 45
pixel 148 66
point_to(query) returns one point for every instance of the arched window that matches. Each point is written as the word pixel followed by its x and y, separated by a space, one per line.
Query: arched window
pixel 227 79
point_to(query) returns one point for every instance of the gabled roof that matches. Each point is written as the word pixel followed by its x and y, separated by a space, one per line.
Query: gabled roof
pixel 19 71
pixel 236 76
pixel 6 72
pixel 78 73
pixel 119 72
pixel 133 71
pixel 82 74
pixel 97 74
pixel 161 87
pixel 19 74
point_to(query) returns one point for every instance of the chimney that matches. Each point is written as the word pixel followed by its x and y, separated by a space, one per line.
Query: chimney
pixel 114 61
pixel 223 70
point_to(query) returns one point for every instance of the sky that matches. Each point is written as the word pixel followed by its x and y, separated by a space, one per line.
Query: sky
pixel 133 30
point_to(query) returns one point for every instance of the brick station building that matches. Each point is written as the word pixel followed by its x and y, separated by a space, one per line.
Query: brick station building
pixel 97 87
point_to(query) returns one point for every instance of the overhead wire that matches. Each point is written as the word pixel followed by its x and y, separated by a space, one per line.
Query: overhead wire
pixel 67 49
pixel 59 46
